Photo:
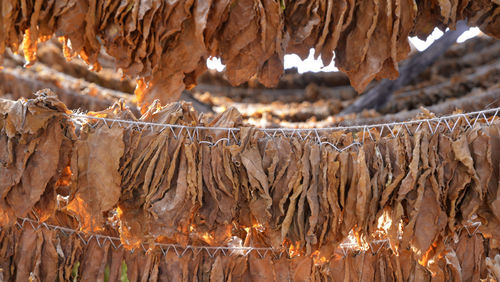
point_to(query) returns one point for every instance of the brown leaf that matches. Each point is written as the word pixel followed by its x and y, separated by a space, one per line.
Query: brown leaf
pixel 98 158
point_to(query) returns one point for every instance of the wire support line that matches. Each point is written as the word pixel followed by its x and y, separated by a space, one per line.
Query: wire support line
pixel 375 246
pixel 179 250
pixel 145 124
pixel 393 129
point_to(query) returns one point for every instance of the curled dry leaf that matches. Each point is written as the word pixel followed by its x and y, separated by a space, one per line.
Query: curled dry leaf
pixel 165 44
pixel 426 193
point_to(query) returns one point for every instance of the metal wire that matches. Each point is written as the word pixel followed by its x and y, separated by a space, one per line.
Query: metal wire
pixel 394 129
pixel 345 248
pixel 179 250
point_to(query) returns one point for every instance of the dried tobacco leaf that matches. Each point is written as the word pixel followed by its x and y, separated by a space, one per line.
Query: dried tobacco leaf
pixel 34 180
pixel 165 44
pixel 99 182
pixel 267 191
pixel 27 257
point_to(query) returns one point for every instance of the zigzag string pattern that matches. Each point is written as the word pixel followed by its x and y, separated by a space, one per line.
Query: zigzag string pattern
pixel 375 246
pixel 394 128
